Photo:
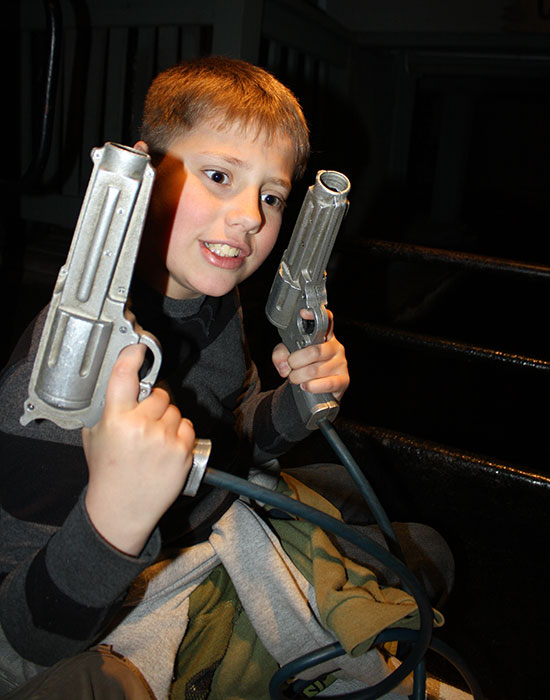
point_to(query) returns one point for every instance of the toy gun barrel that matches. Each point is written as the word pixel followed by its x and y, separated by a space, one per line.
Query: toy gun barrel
pixel 300 282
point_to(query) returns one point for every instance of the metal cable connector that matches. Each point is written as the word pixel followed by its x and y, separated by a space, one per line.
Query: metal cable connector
pixel 201 454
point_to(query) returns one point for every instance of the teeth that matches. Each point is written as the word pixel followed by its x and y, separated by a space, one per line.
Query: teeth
pixel 223 250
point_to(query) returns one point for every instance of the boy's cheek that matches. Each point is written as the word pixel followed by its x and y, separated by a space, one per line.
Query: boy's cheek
pixel 270 239
pixel 168 187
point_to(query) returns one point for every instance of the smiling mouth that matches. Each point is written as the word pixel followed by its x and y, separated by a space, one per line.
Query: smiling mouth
pixel 223 250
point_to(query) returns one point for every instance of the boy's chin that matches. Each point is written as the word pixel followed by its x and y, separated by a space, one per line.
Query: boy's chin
pixel 217 290
pixel 209 288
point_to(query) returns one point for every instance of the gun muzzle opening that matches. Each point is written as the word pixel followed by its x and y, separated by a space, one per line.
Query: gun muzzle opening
pixel 124 160
pixel 334 181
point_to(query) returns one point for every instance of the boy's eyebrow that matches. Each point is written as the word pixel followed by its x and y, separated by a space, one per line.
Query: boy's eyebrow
pixel 280 181
pixel 233 160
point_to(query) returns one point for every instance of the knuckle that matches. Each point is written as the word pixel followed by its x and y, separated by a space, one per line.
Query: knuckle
pixel 172 413
pixel 314 371
pixel 122 368
pixel 159 393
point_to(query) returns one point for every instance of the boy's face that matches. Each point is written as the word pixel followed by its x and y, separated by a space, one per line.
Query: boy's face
pixel 216 210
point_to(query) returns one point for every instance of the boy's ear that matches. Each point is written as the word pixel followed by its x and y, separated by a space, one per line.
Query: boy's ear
pixel 142 146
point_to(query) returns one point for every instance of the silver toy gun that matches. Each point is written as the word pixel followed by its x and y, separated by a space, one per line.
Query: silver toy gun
pixel 300 282
pixel 87 324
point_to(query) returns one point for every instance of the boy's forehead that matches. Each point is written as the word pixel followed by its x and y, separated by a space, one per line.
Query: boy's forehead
pixel 219 131
pixel 254 132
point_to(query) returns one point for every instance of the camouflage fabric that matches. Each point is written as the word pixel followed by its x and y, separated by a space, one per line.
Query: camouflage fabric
pixel 220 656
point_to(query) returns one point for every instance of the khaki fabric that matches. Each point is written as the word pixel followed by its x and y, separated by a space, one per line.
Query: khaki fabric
pixel 351 602
pixel 96 674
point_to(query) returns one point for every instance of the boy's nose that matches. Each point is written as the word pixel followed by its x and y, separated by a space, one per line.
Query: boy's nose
pixel 245 213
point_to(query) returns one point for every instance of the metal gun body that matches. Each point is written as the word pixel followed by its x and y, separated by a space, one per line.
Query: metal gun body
pixel 300 282
pixel 86 326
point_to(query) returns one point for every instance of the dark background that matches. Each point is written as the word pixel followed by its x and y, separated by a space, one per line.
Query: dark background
pixel 438 112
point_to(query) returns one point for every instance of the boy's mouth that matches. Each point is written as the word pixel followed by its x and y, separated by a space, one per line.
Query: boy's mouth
pixel 223 250
pixel 225 256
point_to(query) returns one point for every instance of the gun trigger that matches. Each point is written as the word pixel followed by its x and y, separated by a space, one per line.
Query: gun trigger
pixel 317 329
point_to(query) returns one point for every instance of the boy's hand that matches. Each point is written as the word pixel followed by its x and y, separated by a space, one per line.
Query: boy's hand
pixel 317 368
pixel 139 456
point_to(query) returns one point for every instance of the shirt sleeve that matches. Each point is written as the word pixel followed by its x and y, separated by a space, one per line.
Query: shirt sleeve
pixel 60 581
pixel 66 587
pixel 268 420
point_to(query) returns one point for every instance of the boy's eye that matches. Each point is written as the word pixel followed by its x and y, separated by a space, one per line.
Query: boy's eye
pixel 217 176
pixel 272 200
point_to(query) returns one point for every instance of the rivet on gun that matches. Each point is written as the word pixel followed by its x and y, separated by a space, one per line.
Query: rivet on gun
pixel 121 290
pixel 123 329
pixel 30 407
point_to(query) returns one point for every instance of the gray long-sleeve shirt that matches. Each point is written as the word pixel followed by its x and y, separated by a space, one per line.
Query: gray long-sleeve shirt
pixel 61 583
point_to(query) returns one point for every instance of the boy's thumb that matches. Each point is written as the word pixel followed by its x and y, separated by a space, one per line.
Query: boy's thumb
pixel 123 385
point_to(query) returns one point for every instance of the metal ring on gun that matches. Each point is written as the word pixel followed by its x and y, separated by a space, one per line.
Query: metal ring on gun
pixel 201 454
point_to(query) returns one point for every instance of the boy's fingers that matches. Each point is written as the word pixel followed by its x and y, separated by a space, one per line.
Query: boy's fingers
pixel 156 405
pixel 186 430
pixel 123 385
pixel 279 358
pixel 304 357
pixel 330 330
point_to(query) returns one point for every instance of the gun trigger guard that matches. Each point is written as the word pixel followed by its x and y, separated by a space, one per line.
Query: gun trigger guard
pixel 316 303
pixel 146 384
pixel 320 325
pixel 321 319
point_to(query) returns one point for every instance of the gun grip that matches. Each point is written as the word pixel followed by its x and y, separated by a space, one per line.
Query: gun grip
pixel 314 408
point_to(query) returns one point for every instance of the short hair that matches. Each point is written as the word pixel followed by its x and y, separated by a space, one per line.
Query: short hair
pixel 228 91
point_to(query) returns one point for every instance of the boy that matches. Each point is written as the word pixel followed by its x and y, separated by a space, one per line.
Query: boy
pixel 85 516
pixel 227 141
